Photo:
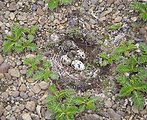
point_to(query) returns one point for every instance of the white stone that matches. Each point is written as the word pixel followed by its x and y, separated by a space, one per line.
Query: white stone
pixel 12 15
pixel 78 65
pixel 14 72
pixel 38 109
pixel 30 56
pixel 26 116
pixel 65 60
pixel 54 38
pixel 43 85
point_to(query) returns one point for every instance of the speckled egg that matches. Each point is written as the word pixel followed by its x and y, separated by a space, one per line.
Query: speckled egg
pixel 78 65
pixel 80 55
pixel 65 60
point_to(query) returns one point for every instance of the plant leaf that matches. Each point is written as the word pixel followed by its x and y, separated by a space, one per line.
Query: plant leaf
pixel 65 2
pixel 126 90
pixel 54 75
pixel 138 100
pixel 8 46
pixel 123 80
pixel 39 75
pixel 52 4
pixel 78 100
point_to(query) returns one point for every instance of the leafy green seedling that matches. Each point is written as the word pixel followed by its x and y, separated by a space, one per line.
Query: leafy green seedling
pixel 141 8
pixel 20 39
pixel 132 77
pixel 53 4
pixel 85 102
pixel 131 70
pixel 40 69
pixel 115 26
pixel 64 104
pixel 117 54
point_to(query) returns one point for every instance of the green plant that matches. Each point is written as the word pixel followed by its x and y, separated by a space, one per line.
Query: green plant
pixel 20 39
pixel 131 71
pixel 64 104
pixel 141 8
pixel 53 4
pixel 39 69
pixel 117 53
pixel 115 26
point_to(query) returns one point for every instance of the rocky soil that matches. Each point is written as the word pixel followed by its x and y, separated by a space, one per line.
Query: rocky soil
pixel 74 55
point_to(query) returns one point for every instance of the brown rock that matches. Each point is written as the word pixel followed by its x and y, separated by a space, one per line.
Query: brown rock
pixel 23 88
pixel 4 67
pixel 1 75
pixel 110 2
pixel 1 59
pixel 40 11
pixel 36 88
pixel 31 105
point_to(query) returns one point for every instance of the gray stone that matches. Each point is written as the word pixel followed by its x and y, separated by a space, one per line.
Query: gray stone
pixel 1 59
pixel 5 95
pixel 15 93
pixel 12 118
pixel 23 95
pixel 47 115
pixel 110 2
pixel 109 10
pixel 91 117
pixel 1 5
pixel 14 72
pixel 113 114
pixel 1 23
pixel 35 117
pixel 34 7
pixel 26 116
pixel 22 16
pixel 1 110
pixel 43 85
pixel 36 88
pixel 135 110
pixel 8 108
pixel 108 103
pixel 21 106
pixel 4 67
pixel 30 105
pixel 94 1
pixel 85 5
pixel 12 6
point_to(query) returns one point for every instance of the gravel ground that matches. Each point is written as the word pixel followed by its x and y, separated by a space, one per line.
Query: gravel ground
pixel 21 98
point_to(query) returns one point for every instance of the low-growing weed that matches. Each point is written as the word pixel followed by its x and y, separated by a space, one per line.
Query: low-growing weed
pixel 20 39
pixel 115 26
pixel 39 69
pixel 117 54
pixel 141 8
pixel 53 4
pixel 64 104
pixel 131 71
